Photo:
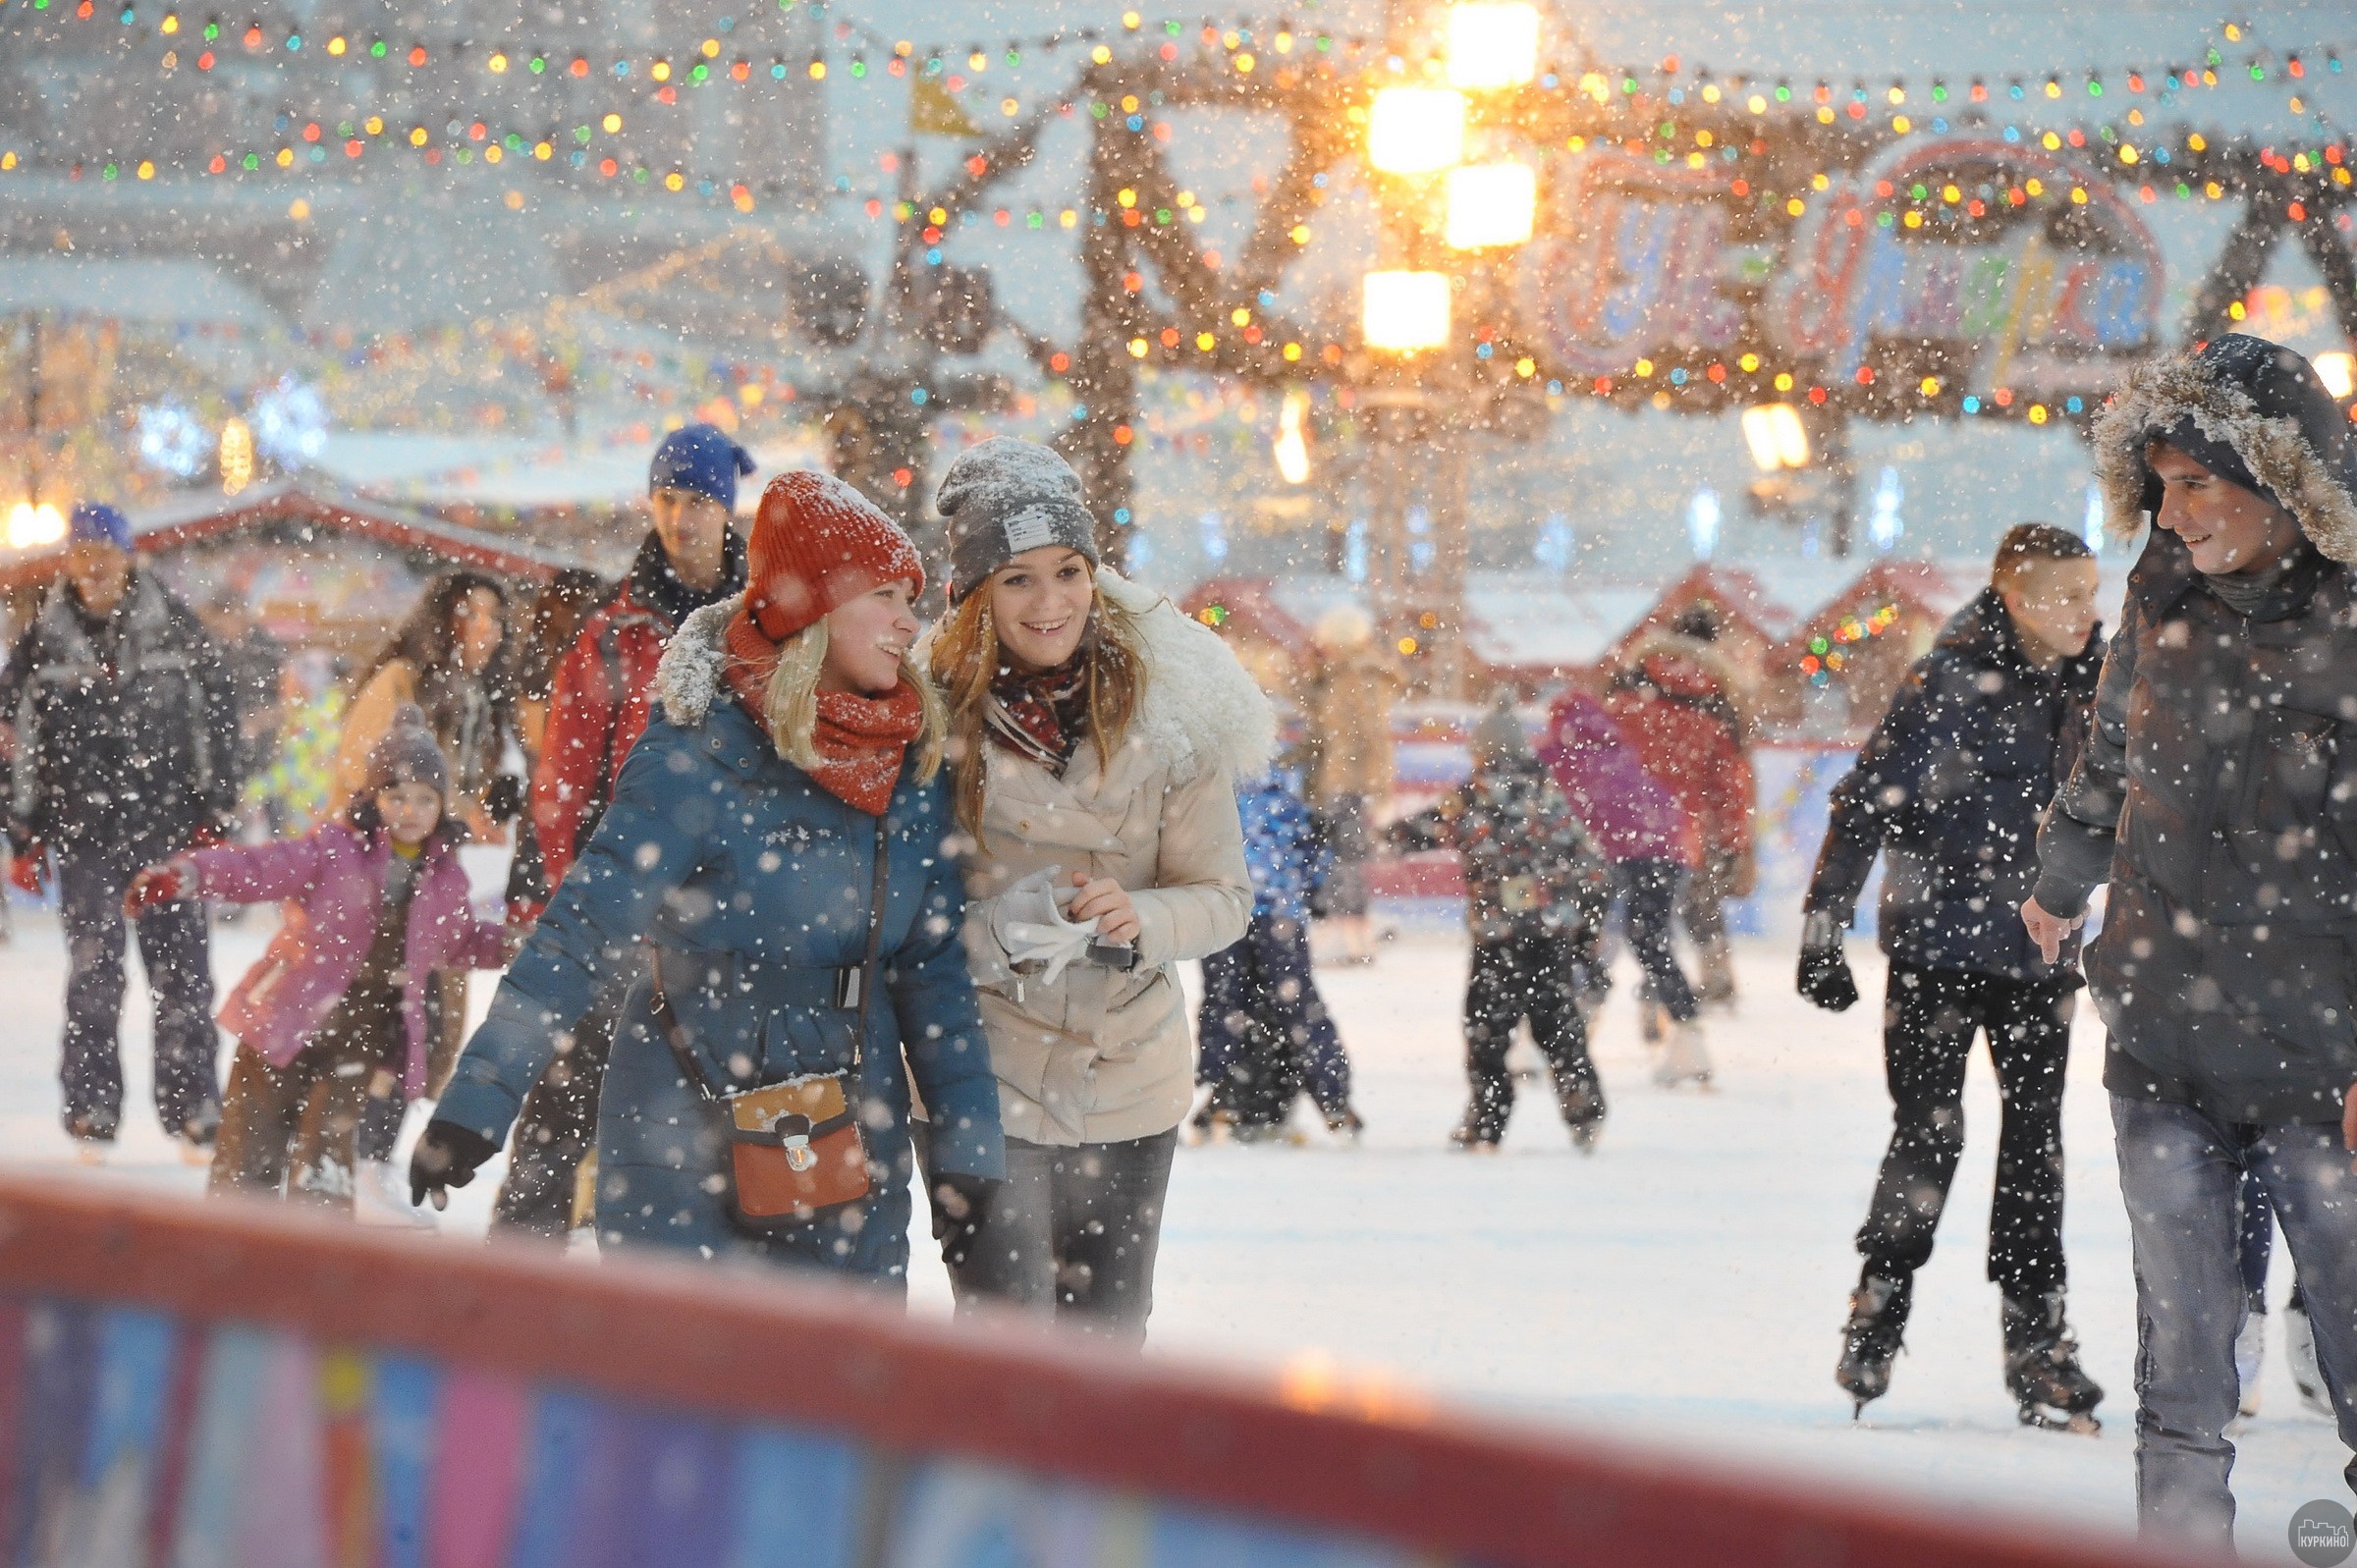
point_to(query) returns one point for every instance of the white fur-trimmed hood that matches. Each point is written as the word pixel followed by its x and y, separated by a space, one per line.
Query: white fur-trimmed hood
pixel 1201 708
pixel 2278 454
pixel 688 679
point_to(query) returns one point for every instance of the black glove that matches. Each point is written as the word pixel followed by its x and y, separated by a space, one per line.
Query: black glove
pixel 503 800
pixel 1825 977
pixel 447 1156
pixel 960 1209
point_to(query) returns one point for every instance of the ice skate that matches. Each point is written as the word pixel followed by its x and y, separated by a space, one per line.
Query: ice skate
pixel 1583 1114
pixel 1871 1340
pixel 2042 1368
pixel 1716 960
pixel 1345 1125
pixel 2250 1346
pixel 1685 1060
pixel 2299 1348
pixel 1473 1136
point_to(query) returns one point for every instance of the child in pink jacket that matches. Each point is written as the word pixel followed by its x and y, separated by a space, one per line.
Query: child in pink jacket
pixel 331 1021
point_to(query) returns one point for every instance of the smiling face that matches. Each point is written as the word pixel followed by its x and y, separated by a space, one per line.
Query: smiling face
pixel 2227 529
pixel 1039 604
pixel 866 639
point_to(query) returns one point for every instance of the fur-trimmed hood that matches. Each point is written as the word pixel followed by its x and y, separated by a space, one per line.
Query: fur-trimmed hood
pixel 1200 705
pixel 2262 401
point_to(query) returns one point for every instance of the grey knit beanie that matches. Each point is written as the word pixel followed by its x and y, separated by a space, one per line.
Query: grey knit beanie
pixel 408 753
pixel 1005 497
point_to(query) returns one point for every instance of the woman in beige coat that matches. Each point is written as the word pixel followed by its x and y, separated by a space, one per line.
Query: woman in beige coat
pixel 1096 736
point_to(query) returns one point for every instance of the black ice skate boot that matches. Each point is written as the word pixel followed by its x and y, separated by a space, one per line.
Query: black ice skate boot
pixel 2042 1368
pixel 1877 1319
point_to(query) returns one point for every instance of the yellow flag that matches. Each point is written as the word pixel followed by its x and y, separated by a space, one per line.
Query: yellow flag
pixel 931 107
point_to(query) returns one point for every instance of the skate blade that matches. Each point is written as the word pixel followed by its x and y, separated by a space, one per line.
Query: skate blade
pixel 2078 1425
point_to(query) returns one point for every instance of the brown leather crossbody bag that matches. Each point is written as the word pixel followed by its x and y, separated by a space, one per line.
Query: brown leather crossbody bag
pixel 797 1152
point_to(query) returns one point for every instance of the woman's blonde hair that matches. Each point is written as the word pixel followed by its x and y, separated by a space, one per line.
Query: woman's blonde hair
pixel 967 657
pixel 791 703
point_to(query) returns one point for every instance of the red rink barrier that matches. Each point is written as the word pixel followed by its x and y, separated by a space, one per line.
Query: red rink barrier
pixel 205 1309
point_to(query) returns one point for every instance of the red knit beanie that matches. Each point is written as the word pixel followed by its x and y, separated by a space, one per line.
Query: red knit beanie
pixel 818 544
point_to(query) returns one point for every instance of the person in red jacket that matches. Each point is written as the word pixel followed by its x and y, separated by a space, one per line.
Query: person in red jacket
pixel 597 709
pixel 1679 702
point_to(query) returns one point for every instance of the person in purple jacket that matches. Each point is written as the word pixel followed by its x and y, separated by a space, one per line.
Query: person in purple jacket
pixel 331 1021
pixel 1643 831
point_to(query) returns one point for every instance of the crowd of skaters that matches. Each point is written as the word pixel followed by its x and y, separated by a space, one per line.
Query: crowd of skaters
pixel 811 904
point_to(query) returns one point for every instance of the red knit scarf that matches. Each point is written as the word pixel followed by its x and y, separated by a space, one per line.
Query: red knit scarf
pixel 860 742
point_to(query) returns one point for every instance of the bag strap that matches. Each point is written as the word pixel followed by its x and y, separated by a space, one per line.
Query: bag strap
pixel 876 894
pixel 673 1035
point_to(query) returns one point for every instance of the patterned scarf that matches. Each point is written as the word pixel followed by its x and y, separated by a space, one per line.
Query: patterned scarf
pixel 1043 717
pixel 860 742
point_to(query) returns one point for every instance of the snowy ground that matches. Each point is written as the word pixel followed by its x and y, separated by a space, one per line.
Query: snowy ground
pixel 1684 1286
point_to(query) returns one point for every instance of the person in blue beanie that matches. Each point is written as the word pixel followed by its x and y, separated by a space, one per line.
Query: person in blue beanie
pixel 126 730
pixel 598 706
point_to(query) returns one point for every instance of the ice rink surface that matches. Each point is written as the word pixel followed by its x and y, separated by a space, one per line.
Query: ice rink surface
pixel 1681 1289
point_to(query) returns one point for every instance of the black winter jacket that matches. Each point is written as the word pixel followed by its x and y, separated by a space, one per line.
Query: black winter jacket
pixel 2218 794
pixel 1949 788
pixel 1529 863
pixel 126 734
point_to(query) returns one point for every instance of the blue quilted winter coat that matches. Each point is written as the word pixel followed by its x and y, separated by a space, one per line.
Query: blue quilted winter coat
pixel 1287 859
pixel 751 884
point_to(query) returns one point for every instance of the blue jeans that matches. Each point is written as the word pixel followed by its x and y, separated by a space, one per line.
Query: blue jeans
pixel 2180 1172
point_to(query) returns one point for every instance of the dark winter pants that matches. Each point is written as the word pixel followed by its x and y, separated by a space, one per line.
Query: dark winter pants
pixel 1535 975
pixel 180 975
pixel 557 1126
pixel 2180 1174
pixel 1648 891
pixel 1074 1231
pixel 1929 1020
pixel 1265 1030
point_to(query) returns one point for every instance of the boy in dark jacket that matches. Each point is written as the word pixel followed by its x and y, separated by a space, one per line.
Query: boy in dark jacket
pixel 1265 1032
pixel 2217 797
pixel 1536 890
pixel 126 754
pixel 1948 790
pixel 599 704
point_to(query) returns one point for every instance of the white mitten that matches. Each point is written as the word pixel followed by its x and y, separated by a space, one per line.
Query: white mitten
pixel 1030 929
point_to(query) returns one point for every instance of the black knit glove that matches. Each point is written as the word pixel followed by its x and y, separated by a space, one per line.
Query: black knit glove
pixel 960 1209
pixel 1825 977
pixel 447 1156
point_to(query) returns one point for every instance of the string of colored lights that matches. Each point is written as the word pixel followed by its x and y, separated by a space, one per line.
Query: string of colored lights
pixel 470 138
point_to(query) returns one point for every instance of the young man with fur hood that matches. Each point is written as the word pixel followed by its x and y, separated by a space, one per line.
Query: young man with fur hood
pixel 2216 796
pixel 1096 737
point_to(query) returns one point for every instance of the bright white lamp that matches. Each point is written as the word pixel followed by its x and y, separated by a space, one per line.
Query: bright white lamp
pixel 1493 46
pixel 1404 311
pixel 1416 129
pixel 1491 204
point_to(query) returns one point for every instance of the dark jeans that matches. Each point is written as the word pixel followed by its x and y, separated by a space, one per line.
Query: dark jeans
pixel 1265 1031
pixel 558 1125
pixel 180 975
pixel 1074 1231
pixel 2180 1174
pixel 1533 973
pixel 1648 891
pixel 1929 1020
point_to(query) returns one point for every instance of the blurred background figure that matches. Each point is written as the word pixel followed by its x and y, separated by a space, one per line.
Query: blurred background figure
pixel 256 663
pixel 1682 704
pixel 1536 893
pixel 568 600
pixel 1644 832
pixel 292 790
pixel 126 754
pixel 1348 703
pixel 451 657
pixel 1265 1032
